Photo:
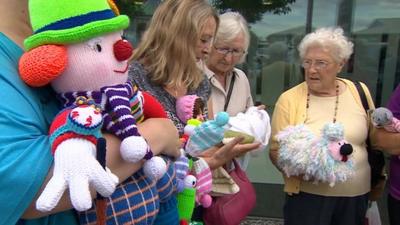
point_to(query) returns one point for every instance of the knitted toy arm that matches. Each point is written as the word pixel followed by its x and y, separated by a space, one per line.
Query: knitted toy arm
pixel 152 108
pixel 204 182
pixel 182 169
pixel 73 135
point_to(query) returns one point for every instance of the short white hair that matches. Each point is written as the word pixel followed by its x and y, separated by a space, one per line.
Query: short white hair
pixel 331 39
pixel 231 24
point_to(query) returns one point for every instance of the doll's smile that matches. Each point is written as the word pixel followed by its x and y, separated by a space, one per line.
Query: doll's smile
pixel 122 71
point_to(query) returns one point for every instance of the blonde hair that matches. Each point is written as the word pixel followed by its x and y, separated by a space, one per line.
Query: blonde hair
pixel 167 48
pixel 231 25
pixel 330 39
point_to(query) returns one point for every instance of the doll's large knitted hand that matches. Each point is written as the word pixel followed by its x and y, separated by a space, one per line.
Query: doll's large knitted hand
pixel 75 166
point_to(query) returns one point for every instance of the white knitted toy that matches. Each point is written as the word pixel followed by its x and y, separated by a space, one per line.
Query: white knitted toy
pixel 322 158
pixel 253 123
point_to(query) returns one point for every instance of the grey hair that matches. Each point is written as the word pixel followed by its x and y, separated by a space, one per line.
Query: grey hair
pixel 231 24
pixel 331 39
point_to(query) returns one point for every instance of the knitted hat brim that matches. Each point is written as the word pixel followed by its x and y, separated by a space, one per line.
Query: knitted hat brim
pixel 77 34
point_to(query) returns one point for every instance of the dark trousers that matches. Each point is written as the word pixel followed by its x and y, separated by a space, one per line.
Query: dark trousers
pixel 310 209
pixel 394 210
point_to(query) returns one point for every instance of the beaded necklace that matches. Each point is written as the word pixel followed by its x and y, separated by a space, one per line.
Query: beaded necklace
pixel 336 103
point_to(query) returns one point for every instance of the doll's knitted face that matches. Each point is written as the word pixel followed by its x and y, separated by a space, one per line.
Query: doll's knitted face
pixel 99 62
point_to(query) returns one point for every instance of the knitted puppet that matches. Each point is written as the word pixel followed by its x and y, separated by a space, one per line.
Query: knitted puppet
pixel 322 158
pixel 77 48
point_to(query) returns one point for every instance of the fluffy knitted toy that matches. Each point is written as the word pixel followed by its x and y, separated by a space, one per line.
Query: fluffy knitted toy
pixel 77 48
pixel 383 117
pixel 254 125
pixel 322 159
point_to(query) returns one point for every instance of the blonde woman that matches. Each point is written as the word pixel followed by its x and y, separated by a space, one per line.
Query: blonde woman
pixel 165 63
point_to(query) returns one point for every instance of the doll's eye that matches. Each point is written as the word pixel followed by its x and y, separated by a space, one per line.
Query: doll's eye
pixel 95 44
pixel 98 47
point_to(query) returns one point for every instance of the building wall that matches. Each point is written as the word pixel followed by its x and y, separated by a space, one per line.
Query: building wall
pixel 273 63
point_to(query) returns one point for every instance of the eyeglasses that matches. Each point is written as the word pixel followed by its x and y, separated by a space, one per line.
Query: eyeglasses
pixel 318 64
pixel 226 51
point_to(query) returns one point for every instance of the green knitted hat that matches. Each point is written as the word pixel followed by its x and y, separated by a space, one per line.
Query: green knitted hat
pixel 71 21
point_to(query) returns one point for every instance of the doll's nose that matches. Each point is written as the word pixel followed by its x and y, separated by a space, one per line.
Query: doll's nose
pixel 122 50
pixel 346 149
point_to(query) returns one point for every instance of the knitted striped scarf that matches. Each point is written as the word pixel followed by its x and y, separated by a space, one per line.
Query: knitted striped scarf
pixel 121 105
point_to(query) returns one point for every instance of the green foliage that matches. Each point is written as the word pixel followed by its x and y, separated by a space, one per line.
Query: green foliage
pixel 130 8
pixel 253 10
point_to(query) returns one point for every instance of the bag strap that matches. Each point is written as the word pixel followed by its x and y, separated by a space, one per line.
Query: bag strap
pixel 228 96
pixel 364 102
pixel 362 95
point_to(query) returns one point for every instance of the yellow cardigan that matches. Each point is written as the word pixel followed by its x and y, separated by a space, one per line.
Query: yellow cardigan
pixel 290 109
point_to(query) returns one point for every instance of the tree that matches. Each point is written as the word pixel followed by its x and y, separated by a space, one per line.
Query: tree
pixel 130 7
pixel 253 10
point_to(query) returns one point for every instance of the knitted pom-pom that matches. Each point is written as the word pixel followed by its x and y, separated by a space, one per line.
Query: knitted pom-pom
pixel 123 50
pixel 333 131
pixel 43 64
pixel 194 122
pixel 222 118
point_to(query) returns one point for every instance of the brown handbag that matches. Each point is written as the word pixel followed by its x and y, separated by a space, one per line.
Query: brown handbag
pixel 233 208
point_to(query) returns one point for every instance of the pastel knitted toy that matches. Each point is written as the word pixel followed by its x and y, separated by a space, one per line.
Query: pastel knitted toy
pixel 254 125
pixel 383 117
pixel 322 159
pixel 207 134
pixel 202 172
pixel 182 169
pixel 189 109
pixel 187 197
pixel 77 48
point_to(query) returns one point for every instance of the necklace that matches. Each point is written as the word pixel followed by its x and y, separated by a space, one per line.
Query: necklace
pixel 336 102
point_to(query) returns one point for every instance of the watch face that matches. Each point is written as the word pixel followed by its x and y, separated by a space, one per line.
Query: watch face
pixel 86 115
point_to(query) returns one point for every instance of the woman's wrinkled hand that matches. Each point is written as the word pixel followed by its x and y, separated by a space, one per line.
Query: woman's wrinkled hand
pixel 217 156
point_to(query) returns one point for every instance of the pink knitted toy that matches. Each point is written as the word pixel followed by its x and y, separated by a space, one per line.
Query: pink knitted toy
pixel 79 51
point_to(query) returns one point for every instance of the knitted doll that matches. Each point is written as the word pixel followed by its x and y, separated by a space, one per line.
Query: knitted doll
pixel 77 48
pixel 189 109
pixel 322 158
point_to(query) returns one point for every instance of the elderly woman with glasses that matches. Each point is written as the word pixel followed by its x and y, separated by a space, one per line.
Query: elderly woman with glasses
pixel 230 86
pixel 325 98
